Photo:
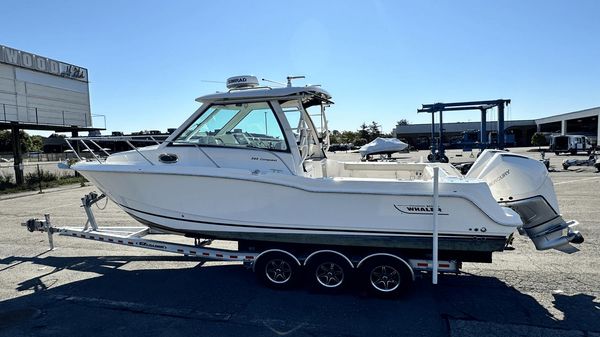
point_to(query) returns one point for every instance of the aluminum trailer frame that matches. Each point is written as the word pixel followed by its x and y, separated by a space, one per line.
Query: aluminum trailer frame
pixel 136 236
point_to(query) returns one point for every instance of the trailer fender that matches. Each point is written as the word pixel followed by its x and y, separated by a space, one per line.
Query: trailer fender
pixel 278 251
pixel 331 252
pixel 412 272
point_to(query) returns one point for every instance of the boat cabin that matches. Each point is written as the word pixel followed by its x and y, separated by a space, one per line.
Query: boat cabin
pixel 274 130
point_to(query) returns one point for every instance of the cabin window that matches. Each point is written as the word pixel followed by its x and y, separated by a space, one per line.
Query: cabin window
pixel 246 125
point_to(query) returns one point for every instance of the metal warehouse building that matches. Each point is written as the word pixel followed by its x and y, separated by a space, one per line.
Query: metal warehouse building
pixel 584 122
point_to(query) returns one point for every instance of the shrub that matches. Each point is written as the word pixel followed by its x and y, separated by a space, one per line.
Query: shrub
pixel 538 139
pixel 33 178
pixel 5 181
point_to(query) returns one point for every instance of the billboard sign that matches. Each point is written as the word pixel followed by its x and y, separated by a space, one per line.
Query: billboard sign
pixel 43 64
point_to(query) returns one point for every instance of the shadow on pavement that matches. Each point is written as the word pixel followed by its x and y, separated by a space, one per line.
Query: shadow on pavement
pixel 226 300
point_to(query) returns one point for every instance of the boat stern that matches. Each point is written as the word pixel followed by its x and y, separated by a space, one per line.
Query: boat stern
pixel 524 185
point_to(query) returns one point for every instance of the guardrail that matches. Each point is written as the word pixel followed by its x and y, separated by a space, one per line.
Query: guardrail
pixel 62 117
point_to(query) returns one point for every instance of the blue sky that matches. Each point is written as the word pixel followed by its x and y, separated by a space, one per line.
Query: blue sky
pixel 379 59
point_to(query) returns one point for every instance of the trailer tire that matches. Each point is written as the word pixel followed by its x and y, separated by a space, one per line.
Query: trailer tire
pixel 277 270
pixel 328 272
pixel 386 276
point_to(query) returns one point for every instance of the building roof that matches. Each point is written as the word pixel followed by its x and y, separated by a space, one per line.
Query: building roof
pixel 459 127
pixel 570 115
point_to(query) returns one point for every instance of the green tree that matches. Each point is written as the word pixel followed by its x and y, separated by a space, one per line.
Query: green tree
pixel 334 137
pixel 5 141
pixel 28 143
pixel 363 131
pixel 36 143
pixel 374 131
pixel 403 121
pixel 538 139
pixel 360 142
pixel 348 137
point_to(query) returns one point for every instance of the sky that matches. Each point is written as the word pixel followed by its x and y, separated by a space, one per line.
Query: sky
pixel 380 60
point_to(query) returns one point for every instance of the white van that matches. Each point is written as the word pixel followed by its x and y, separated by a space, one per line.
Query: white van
pixel 570 143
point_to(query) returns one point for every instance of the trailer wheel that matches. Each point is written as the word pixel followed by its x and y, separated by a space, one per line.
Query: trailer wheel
pixel 277 270
pixel 386 276
pixel 328 271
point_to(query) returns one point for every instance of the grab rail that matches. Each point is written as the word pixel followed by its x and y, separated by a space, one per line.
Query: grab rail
pixel 145 139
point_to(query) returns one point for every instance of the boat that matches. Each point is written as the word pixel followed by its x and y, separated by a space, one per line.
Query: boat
pixel 383 147
pixel 250 165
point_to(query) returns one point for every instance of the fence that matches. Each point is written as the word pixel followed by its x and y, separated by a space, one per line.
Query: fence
pixel 54 117
pixel 36 157
pixel 37 175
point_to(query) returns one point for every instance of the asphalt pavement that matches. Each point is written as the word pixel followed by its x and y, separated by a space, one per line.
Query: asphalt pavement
pixel 87 288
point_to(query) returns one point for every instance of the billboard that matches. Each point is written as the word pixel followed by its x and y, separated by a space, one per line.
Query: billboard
pixel 43 64
pixel 37 90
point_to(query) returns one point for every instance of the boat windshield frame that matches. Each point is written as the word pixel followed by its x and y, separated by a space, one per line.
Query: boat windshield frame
pixel 206 109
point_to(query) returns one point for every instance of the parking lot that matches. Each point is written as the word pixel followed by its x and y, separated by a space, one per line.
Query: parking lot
pixel 97 289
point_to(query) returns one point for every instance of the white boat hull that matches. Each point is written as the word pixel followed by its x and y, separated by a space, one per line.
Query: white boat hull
pixel 275 207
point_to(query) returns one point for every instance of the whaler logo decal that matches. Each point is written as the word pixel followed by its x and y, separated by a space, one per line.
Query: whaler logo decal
pixel 419 209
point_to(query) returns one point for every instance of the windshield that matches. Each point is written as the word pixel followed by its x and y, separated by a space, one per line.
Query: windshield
pixel 250 125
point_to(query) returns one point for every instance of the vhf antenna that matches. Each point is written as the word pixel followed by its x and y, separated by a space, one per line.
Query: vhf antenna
pixel 267 80
pixel 290 78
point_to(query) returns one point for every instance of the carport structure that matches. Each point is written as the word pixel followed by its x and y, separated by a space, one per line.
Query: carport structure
pixel 583 122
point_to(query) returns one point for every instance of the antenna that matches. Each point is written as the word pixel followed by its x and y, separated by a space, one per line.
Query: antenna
pixel 267 80
pixel 290 78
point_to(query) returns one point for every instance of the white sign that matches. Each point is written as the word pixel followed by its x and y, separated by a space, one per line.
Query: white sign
pixel 39 63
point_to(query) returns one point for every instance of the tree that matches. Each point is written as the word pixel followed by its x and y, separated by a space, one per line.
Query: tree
pixel 28 143
pixel 403 121
pixel 334 137
pixel 347 137
pixel 363 131
pixel 36 143
pixel 538 139
pixel 374 131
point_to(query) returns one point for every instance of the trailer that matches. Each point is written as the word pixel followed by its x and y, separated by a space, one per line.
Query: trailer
pixel 592 160
pixel 383 273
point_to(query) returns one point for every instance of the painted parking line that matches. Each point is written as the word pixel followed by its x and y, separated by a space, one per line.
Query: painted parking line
pixel 575 181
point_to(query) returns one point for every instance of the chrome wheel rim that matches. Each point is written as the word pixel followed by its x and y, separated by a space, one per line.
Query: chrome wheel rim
pixel 385 278
pixel 329 274
pixel 278 271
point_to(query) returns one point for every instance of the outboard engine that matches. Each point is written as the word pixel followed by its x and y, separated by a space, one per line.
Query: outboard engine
pixel 524 185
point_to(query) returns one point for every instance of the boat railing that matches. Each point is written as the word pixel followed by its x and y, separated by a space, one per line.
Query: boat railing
pixel 93 146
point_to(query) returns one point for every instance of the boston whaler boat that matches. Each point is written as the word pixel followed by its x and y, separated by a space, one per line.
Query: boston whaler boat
pixel 250 165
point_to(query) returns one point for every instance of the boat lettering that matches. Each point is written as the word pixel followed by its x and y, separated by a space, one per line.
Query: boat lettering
pixel 236 80
pixel 263 159
pixel 502 176
pixel 418 209
pixel 152 245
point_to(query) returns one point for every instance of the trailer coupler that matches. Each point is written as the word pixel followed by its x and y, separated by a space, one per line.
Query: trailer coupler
pixel 38 225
